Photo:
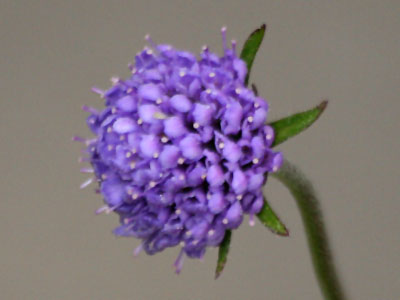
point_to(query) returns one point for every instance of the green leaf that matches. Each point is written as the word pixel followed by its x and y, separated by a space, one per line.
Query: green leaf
pixel 269 218
pixel 223 253
pixel 250 48
pixel 290 126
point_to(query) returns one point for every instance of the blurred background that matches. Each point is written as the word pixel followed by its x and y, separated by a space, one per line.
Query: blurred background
pixel 52 52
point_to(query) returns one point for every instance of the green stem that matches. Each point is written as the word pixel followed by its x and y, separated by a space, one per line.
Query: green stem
pixel 318 243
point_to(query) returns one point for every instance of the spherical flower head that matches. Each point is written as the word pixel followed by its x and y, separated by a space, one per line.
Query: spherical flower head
pixel 181 149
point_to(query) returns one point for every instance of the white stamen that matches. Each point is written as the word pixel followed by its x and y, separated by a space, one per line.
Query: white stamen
pixel 239 197
pixel 152 184
pixel 110 147
pixel 102 209
pixel 155 155
pixel 109 129
pixel 211 75
pixel 256 161
pixel 252 222
pixel 133 165
pixel 204 176
pixel 159 101
pixel 164 139
pixel 137 250
pixel 256 105
pixel 196 125
pixel 182 73
pixel 86 183
pixel 208 91
pixel 104 176
pixel 129 90
pixel 221 145
pixel 250 119
pixel 188 233
pixel 225 221
pixel 98 91
pixel 195 242
pixel 211 232
pixel 133 151
pixel 139 121
pixel 181 177
pixel 135 196
pixel 128 154
pixel 122 137
pixel 238 91
pixel 113 110
pixel 181 160
pixel 268 136
pixel 178 212
pixel 149 52
pixel 182 244
pixel 275 168
pixel 87 170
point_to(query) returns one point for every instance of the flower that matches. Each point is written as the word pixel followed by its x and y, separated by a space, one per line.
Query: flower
pixel 181 149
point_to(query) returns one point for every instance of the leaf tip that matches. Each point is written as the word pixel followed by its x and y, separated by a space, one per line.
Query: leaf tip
pixel 262 28
pixel 283 232
pixel 322 106
pixel 217 274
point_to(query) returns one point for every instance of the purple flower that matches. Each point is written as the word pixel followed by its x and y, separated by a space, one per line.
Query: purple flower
pixel 181 149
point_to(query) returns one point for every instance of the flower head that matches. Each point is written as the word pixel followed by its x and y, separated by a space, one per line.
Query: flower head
pixel 181 149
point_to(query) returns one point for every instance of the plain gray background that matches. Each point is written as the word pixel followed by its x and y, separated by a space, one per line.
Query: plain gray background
pixel 52 52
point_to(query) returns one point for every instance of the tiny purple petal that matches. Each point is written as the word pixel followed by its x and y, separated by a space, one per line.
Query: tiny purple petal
pixel 191 147
pixel 149 92
pixel 275 160
pixel 150 146
pixel 255 181
pixel 232 118
pixel 231 151
pixel 174 127
pixel 126 104
pixel 169 156
pixel 260 116
pixel 215 176
pixel 113 192
pixel 124 125
pixel 240 67
pixel 239 182
pixel 147 112
pixel 234 215
pixel 181 103
pixel 216 203
pixel 203 114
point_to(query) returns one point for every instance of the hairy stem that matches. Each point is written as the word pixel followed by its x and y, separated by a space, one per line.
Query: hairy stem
pixel 318 243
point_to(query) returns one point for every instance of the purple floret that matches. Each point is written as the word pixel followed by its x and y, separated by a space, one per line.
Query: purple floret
pixel 182 149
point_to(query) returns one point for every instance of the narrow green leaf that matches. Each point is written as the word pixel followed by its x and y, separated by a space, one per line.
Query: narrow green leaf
pixel 223 253
pixel 251 47
pixel 269 218
pixel 290 126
